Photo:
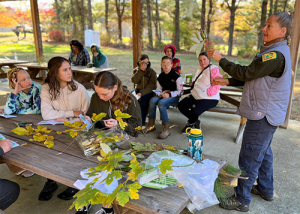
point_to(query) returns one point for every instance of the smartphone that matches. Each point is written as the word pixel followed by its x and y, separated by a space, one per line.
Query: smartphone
pixel 24 124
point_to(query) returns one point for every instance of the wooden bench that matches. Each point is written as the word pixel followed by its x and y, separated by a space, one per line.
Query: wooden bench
pixel 225 93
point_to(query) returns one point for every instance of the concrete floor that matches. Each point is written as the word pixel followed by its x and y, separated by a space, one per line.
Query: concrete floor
pixel 219 131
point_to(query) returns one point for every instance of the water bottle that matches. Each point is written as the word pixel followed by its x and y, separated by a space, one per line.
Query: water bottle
pixel 195 145
pixel 16 57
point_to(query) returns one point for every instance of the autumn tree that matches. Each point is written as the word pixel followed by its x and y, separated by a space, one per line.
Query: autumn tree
pixel 149 24
pixel 120 7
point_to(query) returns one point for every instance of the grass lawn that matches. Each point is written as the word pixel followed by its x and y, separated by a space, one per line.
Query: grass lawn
pixel 123 61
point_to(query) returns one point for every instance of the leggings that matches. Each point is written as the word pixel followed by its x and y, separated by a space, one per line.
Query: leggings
pixel 192 108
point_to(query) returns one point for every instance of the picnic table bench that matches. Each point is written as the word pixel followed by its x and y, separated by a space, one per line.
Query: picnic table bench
pixel 65 168
pixel 35 68
pixel 10 63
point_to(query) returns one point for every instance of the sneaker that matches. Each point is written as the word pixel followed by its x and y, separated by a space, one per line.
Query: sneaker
pixel 187 126
pixel 255 191
pixel 102 211
pixel 84 209
pixel 233 204
pixel 197 124
pixel 48 191
pixel 27 174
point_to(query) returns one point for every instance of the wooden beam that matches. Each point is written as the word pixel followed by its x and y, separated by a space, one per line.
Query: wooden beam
pixel 294 49
pixel 36 28
pixel 136 30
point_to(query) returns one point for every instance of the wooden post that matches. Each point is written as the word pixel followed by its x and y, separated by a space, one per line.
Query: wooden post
pixel 36 28
pixel 136 30
pixel 294 49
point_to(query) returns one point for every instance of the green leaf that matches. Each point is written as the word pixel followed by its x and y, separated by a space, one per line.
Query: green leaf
pixel 84 196
pixel 165 165
pixel 112 196
pixel 116 174
pixel 122 198
pixel 100 134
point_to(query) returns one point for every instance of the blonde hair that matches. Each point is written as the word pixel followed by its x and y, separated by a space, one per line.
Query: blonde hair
pixel 12 74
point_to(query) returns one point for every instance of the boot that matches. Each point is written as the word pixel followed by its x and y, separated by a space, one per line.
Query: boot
pixel 166 131
pixel 150 124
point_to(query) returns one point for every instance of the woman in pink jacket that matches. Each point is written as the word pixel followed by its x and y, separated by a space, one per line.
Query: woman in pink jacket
pixel 203 96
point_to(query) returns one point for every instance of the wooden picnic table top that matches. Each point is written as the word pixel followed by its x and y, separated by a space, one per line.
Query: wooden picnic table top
pixel 65 168
pixel 4 62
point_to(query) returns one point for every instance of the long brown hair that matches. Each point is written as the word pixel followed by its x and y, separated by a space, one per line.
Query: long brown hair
pixel 52 77
pixel 108 80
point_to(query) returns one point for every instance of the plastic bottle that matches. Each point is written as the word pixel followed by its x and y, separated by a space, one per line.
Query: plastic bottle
pixel 195 144
pixel 16 57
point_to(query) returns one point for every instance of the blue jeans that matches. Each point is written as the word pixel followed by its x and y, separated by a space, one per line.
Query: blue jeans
pixel 144 104
pixel 163 104
pixel 256 159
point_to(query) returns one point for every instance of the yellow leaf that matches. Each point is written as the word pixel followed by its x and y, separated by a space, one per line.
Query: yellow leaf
pixel 48 143
pixel 30 130
pixel 67 123
pixel 73 134
pixel 24 144
pixel 138 128
pixel 99 158
pixel 39 137
pixel 98 116
pixel 122 124
pixel 105 148
pixel 103 154
pixel 59 132
pixel 50 138
pixel 77 124
pixel 169 147
pixel 118 113
pixel 180 185
pixel 131 176
pixel 20 131
pixel 133 193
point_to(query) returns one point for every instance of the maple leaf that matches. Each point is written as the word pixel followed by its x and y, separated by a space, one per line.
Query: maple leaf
pixel 84 196
pixel 119 114
pixel 112 196
pixel 133 190
pixel 122 198
pixel 165 165
pixel 49 143
pixel 98 116
pixel 116 174
pixel 20 131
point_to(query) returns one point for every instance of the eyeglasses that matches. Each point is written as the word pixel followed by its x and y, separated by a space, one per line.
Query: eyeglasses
pixel 144 63
pixel 166 63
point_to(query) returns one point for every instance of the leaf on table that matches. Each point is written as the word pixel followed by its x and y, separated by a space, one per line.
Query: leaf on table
pixel 97 117
pixel 76 124
pixel 165 165
pixel 50 138
pixel 68 124
pixel 73 134
pixel 99 158
pixel 119 114
pixel 30 130
pixel 49 143
pixel 122 197
pixel 105 148
pixel 20 131
pixel 39 137
pixel 169 147
pixel 59 132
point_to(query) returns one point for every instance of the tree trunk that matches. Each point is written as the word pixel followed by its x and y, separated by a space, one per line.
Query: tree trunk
pixel 142 23
pixel 120 14
pixel 285 3
pixel 208 21
pixel 157 22
pixel 82 16
pixel 176 40
pixel 57 13
pixel 73 18
pixel 275 6
pixel 271 8
pixel 262 22
pixel 232 9
pixel 149 24
pixel 203 15
pixel 90 15
pixel 106 16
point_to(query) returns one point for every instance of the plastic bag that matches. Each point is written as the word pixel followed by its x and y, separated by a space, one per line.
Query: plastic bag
pixel 198 182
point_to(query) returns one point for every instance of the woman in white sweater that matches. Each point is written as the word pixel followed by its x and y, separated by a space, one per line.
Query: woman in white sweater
pixel 62 99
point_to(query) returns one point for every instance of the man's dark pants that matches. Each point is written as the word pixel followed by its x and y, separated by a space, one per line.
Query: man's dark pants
pixel 9 193
pixel 256 159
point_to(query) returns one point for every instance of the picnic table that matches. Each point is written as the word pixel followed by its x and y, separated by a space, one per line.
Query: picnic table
pixel 65 168
pixel 10 63
pixel 35 68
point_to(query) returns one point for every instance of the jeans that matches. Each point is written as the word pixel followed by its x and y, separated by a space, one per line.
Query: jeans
pixel 144 104
pixel 192 108
pixel 9 193
pixel 256 159
pixel 163 104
